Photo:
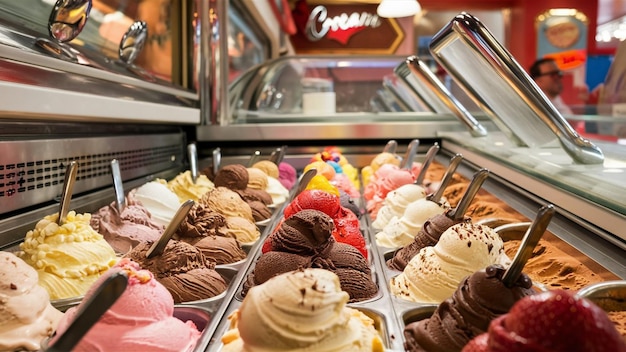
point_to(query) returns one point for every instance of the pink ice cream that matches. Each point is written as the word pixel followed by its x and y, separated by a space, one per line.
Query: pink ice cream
pixel 343 183
pixel 287 175
pixel 140 320
pixel 386 179
pixel 127 229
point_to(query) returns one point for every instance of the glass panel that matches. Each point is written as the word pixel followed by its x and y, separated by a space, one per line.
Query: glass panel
pixel 246 47
pixel 109 20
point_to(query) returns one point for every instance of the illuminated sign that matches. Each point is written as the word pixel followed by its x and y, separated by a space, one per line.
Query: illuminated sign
pixel 344 29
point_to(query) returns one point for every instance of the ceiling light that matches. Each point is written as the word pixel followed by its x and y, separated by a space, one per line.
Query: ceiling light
pixel 398 8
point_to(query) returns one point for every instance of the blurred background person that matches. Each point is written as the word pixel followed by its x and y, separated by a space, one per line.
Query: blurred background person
pixel 549 78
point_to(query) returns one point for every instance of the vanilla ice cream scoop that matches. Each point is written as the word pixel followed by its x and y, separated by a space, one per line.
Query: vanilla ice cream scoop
pixel 435 272
pixel 396 202
pixel 302 310
pixel 401 231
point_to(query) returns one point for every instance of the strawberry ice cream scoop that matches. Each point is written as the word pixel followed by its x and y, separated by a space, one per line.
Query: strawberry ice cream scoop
pixel 392 178
pixel 555 320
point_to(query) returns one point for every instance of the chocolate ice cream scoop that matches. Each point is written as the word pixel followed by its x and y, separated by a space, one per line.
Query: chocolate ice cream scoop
pixel 480 298
pixel 182 269
pixel 306 232
pixel 234 177
pixel 251 195
pixel 206 230
pixel 260 211
pixel 305 240
pixel 201 221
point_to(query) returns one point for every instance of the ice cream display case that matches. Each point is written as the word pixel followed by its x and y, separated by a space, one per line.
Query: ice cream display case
pixel 341 116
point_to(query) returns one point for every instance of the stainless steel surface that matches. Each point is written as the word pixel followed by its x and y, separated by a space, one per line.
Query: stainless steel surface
pixel 66 194
pixel 118 185
pixel 433 86
pixel 133 42
pixel 326 130
pixel 68 18
pixel 104 296
pixel 502 88
pixel 31 171
pixel 428 159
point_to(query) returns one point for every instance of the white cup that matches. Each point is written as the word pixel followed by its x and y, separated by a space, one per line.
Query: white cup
pixel 318 103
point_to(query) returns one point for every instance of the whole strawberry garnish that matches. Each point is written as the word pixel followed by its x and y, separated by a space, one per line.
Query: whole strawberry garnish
pixel 478 344
pixel 555 320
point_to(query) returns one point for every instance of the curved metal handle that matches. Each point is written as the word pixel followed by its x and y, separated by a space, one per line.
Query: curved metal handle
pixel 133 41
pixel 419 69
pixel 516 103
pixel 68 18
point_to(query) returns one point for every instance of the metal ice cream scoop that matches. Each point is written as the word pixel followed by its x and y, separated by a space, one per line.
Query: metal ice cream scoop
pixel 428 159
pixel 118 185
pixel 66 195
pixel 254 158
pixel 447 177
pixel 217 160
pixel 528 244
pixel 278 155
pixel 391 146
pixel 477 181
pixel 302 183
pixel 158 246
pixel 103 298
pixel 411 151
pixel 192 152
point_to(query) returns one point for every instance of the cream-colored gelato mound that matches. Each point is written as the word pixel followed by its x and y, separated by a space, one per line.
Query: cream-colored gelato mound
pixel 300 311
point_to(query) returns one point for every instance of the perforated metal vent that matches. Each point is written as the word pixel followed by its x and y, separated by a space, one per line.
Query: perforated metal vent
pixel 32 172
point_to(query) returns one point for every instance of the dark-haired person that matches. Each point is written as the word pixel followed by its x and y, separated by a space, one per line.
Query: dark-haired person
pixel 549 78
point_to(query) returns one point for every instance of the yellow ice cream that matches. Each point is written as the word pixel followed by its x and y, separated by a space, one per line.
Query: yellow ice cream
pixel 320 182
pixel 300 311
pixel 68 258
pixel 186 189
pixel 322 168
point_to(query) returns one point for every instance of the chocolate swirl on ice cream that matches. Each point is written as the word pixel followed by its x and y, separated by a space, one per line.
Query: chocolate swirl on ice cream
pixel 304 240
pixel 480 298
pixel 182 269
